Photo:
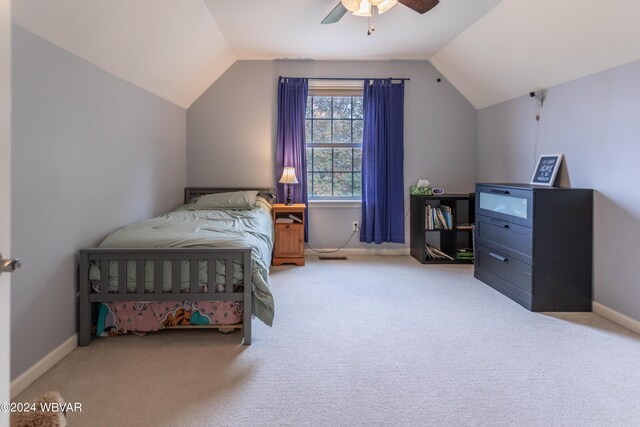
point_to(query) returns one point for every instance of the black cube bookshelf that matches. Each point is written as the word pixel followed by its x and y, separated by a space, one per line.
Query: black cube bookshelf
pixel 455 235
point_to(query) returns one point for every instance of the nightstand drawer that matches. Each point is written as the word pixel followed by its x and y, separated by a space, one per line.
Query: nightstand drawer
pixel 514 240
pixel 290 241
pixel 513 271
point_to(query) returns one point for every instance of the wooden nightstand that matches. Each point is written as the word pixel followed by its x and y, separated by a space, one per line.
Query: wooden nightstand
pixel 288 245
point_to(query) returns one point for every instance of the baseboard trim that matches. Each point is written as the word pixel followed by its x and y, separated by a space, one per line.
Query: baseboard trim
pixel 617 317
pixel 361 251
pixel 26 378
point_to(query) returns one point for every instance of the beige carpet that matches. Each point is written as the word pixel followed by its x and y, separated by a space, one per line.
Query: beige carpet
pixel 373 341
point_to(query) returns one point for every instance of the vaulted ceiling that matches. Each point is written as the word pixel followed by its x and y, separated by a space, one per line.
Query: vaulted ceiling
pixel 490 50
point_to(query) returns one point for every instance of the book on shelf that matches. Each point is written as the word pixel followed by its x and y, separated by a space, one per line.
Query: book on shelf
pixel 440 218
pixel 284 220
pixel 434 253
pixel 464 253
pixel 295 218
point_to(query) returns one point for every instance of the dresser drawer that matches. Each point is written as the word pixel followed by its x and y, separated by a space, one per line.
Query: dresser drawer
pixel 511 270
pixel 516 241
pixel 511 204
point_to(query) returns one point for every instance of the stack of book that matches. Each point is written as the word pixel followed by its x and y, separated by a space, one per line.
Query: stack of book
pixel 440 218
pixel 464 253
pixel 435 253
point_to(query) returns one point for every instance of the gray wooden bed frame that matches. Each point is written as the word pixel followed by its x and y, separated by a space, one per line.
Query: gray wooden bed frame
pixel 88 296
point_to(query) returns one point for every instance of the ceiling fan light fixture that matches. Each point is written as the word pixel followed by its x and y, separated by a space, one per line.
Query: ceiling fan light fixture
pixel 351 5
pixel 365 9
pixel 386 5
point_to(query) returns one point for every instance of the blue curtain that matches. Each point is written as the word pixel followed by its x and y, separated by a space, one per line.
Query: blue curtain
pixel 290 140
pixel 382 162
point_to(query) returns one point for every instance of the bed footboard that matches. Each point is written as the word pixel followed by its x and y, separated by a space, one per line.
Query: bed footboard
pixel 88 296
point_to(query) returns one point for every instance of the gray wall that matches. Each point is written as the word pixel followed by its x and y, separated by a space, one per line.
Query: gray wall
pixel 231 133
pixel 595 123
pixel 91 153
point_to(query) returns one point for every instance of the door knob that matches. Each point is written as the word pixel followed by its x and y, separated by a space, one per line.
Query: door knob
pixel 9 265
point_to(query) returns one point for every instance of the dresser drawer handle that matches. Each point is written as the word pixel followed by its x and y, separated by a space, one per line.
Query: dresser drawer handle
pixel 499 191
pixel 498 223
pixel 498 257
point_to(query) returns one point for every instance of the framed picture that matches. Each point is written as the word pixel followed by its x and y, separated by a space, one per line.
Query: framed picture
pixel 546 169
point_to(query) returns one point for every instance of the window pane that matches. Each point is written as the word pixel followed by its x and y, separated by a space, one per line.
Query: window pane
pixel 357 184
pixel 341 107
pixel 309 154
pixel 322 107
pixel 342 184
pixel 357 107
pixel 357 131
pixel 309 104
pixel 342 159
pixel 357 159
pixel 322 184
pixel 321 131
pixel 342 131
pixel 322 160
pixel 307 131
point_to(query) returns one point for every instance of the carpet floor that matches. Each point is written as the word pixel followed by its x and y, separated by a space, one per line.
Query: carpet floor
pixel 372 341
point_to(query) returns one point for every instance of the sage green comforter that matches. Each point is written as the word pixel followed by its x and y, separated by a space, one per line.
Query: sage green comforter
pixel 185 228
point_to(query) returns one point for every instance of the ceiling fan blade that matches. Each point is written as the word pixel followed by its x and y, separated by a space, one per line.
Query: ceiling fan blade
pixel 420 6
pixel 335 15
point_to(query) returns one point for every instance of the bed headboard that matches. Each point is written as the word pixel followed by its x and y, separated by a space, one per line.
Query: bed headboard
pixel 191 192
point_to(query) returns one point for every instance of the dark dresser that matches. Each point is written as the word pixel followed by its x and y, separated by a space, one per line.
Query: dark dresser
pixel 534 244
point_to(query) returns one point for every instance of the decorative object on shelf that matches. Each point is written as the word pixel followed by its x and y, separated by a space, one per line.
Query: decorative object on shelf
pixel 420 191
pixel 546 169
pixel 421 188
pixel 438 191
pixel 288 178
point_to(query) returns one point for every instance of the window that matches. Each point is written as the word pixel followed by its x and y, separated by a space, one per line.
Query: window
pixel 334 146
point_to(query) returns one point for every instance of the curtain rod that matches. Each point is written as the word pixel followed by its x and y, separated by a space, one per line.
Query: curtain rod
pixel 347 78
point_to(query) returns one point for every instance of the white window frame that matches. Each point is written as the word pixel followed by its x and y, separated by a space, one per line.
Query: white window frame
pixel 334 88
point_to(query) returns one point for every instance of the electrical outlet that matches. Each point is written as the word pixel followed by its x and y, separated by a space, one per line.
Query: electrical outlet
pixel 356 226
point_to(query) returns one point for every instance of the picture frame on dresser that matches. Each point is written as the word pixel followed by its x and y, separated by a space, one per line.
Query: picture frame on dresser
pixel 547 169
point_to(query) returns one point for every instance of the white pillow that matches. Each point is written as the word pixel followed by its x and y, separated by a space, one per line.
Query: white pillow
pixel 231 200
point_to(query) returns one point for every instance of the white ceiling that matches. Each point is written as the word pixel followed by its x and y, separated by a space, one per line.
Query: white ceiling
pixel 171 48
pixel 524 45
pixel 291 29
pixel 490 50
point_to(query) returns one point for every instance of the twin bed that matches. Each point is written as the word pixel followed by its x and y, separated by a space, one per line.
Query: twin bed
pixel 204 264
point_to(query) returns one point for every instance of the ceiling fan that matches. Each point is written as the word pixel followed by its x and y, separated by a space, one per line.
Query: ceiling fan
pixel 368 7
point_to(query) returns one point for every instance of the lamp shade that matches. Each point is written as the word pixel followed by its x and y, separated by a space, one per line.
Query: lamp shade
pixel 288 176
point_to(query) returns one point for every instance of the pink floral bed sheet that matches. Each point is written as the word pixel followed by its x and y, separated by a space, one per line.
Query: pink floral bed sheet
pixel 117 318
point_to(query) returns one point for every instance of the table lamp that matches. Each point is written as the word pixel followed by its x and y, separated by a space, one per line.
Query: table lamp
pixel 288 178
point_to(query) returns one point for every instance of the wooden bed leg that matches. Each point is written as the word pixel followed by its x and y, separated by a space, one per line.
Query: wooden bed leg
pixel 84 306
pixel 246 314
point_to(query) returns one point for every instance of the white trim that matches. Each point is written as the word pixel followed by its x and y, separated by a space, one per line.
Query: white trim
pixel 26 378
pixel 334 204
pixel 336 84
pixel 359 251
pixel 617 317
